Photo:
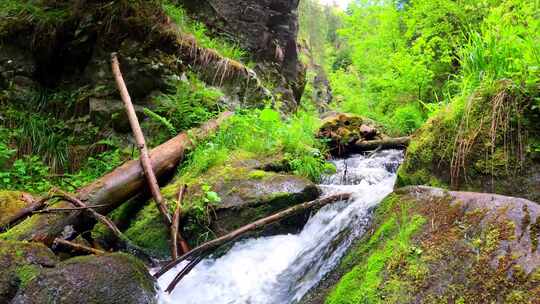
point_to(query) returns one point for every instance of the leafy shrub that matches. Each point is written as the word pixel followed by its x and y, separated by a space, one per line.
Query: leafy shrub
pixel 192 103
pixel 407 118
pixel 263 133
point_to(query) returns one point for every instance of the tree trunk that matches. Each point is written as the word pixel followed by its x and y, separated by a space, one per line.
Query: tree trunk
pixel 112 189
pixel 387 143
pixel 276 217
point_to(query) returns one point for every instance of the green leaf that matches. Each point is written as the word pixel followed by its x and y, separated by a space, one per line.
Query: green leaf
pixel 213 197
pixel 269 115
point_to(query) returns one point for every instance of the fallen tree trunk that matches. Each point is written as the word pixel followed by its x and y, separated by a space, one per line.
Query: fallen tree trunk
pixel 112 189
pixel 387 143
pixel 206 248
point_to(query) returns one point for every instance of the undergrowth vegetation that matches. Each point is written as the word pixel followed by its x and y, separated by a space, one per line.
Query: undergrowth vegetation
pixel 263 133
pixel 489 129
pixel 201 33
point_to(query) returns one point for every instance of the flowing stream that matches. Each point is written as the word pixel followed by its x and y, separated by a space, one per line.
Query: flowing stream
pixel 283 268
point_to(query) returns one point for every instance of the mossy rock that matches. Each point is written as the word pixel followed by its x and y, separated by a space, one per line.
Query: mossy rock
pixel 460 149
pixel 342 130
pixel 430 245
pixel 20 262
pixel 115 278
pixel 10 203
pixel 245 194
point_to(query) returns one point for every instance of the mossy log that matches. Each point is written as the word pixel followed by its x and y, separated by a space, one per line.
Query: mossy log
pixel 112 189
pixel 386 143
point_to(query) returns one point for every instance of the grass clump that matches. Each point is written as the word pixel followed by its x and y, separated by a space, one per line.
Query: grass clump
pixel 14 13
pixel 263 133
pixel 200 33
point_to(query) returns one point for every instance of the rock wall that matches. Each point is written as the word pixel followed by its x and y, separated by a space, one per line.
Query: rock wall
pixel 268 30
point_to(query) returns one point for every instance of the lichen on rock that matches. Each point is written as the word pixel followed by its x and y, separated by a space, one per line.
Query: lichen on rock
pixel 115 278
pixel 20 262
pixel 430 245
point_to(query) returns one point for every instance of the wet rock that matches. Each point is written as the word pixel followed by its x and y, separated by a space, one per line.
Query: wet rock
pixel 431 245
pixel 245 199
pixel 21 262
pixel 224 198
pixel 115 278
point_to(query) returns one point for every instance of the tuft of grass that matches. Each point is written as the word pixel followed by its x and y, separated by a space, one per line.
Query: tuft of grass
pixel 201 34
pixel 263 133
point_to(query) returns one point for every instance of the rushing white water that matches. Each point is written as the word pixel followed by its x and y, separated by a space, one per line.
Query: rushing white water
pixel 283 268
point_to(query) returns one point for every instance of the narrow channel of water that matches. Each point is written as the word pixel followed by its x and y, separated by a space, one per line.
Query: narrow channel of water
pixel 283 268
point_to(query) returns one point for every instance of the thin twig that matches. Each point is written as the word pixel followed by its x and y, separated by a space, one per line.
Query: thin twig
pixel 52 210
pixel 179 245
pixel 78 247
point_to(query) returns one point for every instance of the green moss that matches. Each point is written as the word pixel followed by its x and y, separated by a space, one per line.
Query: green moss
pixel 455 257
pixel 463 147
pixel 389 244
pixel 257 174
pixel 535 233
pixel 10 202
pixel 26 273
pixel 148 231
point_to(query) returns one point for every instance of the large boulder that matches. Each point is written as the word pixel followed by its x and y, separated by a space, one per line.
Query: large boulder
pixel 430 245
pixel 224 198
pixel 490 144
pixel 20 262
pixel 268 30
pixel 115 278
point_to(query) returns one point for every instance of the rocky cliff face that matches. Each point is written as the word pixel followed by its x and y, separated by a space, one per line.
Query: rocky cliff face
pixel 268 30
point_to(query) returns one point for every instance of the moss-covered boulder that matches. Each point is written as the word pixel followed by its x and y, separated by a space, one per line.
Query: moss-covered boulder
pixel 488 142
pixel 21 262
pixel 10 203
pixel 115 278
pixel 430 245
pixel 342 130
pixel 224 198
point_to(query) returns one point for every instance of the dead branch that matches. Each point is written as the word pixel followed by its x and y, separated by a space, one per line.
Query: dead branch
pixel 52 210
pixel 26 212
pixel 78 247
pixel 139 138
pixel 98 217
pixel 208 247
pixel 179 244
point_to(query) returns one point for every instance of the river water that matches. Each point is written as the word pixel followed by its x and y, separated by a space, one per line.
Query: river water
pixel 283 268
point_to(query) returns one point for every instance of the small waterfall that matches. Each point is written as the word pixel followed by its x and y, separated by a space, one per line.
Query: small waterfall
pixel 283 268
